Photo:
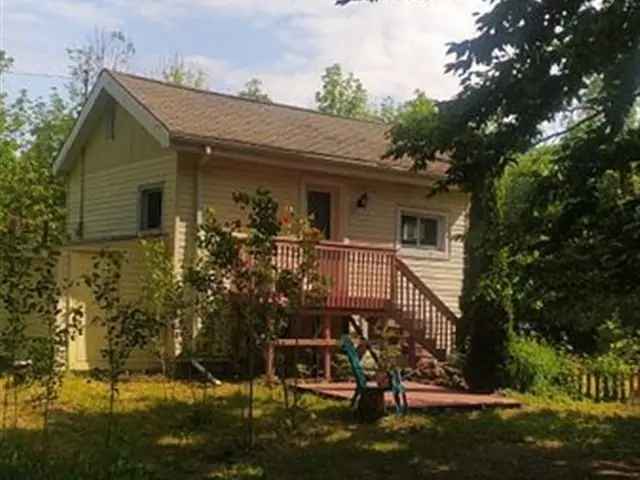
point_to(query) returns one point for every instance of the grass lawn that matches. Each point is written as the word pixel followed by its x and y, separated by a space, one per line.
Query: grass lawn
pixel 172 433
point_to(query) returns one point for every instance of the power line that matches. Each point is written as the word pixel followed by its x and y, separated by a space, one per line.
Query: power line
pixel 38 74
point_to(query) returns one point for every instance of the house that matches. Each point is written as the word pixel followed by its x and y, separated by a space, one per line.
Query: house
pixel 146 158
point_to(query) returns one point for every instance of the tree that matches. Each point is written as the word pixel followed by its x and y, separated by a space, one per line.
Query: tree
pixel 529 62
pixel 125 324
pixel 163 300
pixel 389 110
pixel 31 235
pixel 106 49
pixel 175 70
pixel 253 90
pixel 237 282
pixel 342 94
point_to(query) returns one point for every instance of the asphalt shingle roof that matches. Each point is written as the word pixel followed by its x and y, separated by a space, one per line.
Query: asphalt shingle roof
pixel 201 115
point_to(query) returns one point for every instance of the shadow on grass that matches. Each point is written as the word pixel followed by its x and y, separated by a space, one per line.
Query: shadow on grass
pixel 178 439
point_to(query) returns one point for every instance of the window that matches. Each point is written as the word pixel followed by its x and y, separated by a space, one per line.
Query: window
pixel 151 208
pixel 422 231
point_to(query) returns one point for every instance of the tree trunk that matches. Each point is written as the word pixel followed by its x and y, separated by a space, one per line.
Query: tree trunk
pixel 485 325
pixel 251 436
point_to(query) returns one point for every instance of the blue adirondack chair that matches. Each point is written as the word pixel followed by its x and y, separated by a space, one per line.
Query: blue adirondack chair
pixel 395 376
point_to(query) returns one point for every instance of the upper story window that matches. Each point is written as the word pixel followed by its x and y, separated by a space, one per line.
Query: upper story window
pixel 422 231
pixel 151 208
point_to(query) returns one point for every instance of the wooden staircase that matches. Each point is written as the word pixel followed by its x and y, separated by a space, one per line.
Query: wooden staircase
pixel 418 310
pixel 371 282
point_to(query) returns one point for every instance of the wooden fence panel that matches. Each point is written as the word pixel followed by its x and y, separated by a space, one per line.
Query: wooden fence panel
pixel 609 388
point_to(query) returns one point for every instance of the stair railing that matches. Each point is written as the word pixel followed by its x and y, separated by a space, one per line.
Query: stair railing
pixel 421 311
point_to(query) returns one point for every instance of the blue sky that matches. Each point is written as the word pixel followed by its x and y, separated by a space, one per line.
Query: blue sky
pixel 394 46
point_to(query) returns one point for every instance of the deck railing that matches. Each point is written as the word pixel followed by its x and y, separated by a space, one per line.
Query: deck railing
pixel 359 275
pixel 363 278
pixel 422 311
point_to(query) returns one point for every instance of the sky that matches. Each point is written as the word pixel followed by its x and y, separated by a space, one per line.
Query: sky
pixel 393 46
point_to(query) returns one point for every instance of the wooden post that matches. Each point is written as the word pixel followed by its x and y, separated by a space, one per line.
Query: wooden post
pixel 326 334
pixel 269 362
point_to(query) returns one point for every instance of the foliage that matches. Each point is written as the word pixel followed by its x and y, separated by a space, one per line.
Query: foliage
pixel 342 94
pixel 235 277
pixel 390 111
pixel 126 326
pixel 529 62
pixel 388 345
pixel 253 90
pixel 609 365
pixel 106 49
pixel 622 342
pixel 175 70
pixel 345 95
pixel 31 233
pixel 564 286
pixel 60 324
pixel 163 299
pixel 537 367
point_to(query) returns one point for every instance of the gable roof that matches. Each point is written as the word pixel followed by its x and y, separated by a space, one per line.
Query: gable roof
pixel 178 115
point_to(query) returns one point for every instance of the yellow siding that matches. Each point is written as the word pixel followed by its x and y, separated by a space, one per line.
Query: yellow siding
pixel 379 224
pixel 222 178
pixel 113 172
pixel 186 204
pixel 376 225
pixel 84 352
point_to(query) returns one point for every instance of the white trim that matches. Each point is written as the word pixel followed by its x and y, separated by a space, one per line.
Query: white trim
pixel 439 252
pixel 105 86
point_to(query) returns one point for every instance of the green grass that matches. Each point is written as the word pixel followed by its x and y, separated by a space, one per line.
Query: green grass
pixel 177 433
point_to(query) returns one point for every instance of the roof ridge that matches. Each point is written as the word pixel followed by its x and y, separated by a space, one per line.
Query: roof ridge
pixel 244 99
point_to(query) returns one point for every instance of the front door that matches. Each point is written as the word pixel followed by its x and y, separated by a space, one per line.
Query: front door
pixel 333 264
pixel 319 204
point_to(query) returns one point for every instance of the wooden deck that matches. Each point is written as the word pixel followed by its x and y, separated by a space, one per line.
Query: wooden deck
pixel 372 283
pixel 419 396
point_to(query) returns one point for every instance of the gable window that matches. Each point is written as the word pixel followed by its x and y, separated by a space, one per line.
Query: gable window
pixel 151 208
pixel 422 230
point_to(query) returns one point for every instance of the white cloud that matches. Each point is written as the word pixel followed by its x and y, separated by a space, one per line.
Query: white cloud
pixel 393 46
pixel 85 12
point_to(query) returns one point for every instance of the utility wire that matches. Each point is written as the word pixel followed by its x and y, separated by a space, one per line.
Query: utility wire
pixel 37 74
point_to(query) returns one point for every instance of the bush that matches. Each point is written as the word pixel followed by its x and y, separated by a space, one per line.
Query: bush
pixel 535 366
pixel 609 365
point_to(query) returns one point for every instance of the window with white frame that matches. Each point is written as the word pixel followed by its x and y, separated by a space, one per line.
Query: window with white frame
pixel 422 230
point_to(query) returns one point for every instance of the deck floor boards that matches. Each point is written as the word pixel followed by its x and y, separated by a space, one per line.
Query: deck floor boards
pixel 419 396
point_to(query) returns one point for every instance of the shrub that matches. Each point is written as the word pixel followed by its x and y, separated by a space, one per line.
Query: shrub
pixel 535 366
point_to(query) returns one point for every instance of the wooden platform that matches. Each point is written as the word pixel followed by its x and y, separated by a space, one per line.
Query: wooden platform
pixel 419 396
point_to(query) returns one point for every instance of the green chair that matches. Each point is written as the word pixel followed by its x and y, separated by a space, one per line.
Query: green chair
pixel 356 367
pixel 399 391
pixel 395 377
